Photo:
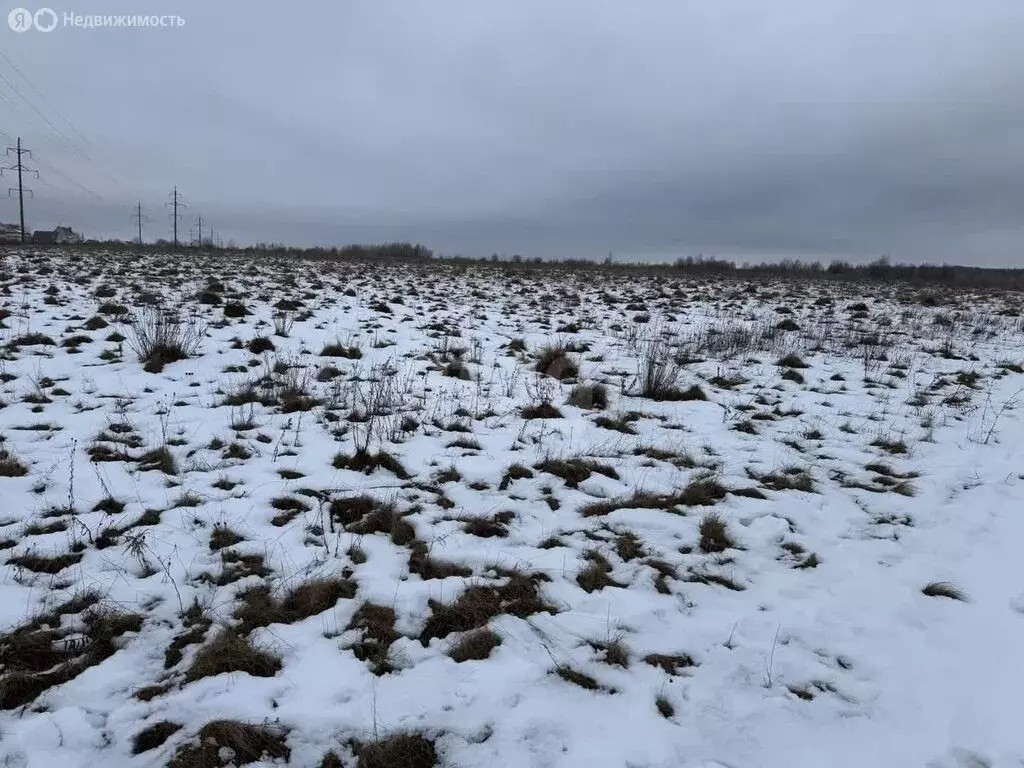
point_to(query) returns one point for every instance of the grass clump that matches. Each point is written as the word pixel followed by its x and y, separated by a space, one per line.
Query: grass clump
pixel 222 743
pixel 489 527
pixel 791 361
pixel 337 349
pixel 35 657
pixel 159 338
pixel 540 411
pixel 944 589
pixel 475 646
pixel 367 462
pixel 231 652
pixel 261 344
pixel 670 663
pixel 427 567
pixel 519 596
pixel 48 565
pixel 890 446
pixel 153 736
pixel 555 361
pixel 376 624
pixel 575 471
pixel 364 514
pixel 664 706
pixel 595 576
pixel 703 490
pixel 589 396
pixel 714 536
pixel 10 465
pixel 514 472
pixel 576 677
pixel 397 751
pixel 261 609
pixel 789 479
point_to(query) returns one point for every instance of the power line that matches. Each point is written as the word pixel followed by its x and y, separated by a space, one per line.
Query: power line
pixel 67 178
pixel 45 119
pixel 73 144
pixel 45 100
pixel 20 168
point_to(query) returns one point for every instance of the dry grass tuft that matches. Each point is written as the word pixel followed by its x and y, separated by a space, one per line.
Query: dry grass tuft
pixel 231 652
pixel 397 751
pixel 944 589
pixel 48 565
pixel 364 514
pixel 714 536
pixel 377 625
pixel 261 609
pixel 10 465
pixel 670 663
pixel 595 576
pixel 575 471
pixel 367 462
pixel 519 596
pixel 576 677
pixel 153 736
pixel 555 362
pixel 475 646
pixel 589 396
pixel 540 411
pixel 35 657
pixel 160 338
pixel 223 743
pixel 704 490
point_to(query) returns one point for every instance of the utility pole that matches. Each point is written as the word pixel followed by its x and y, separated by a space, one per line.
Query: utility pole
pixel 20 168
pixel 176 203
pixel 139 217
pixel 200 231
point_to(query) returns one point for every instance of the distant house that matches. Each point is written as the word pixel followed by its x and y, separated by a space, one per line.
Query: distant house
pixel 59 236
pixel 10 233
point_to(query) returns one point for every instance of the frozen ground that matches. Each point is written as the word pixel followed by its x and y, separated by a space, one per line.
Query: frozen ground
pixel 419 549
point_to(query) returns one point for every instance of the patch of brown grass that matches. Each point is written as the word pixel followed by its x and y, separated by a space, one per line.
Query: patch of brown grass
pixel 228 742
pixel 670 663
pixel 367 462
pixel 519 596
pixel 377 625
pixel 48 565
pixel 595 576
pixel 261 609
pixel 397 751
pixel 475 646
pixel 153 736
pixel 31 664
pixel 714 536
pixel 231 652
pixel 575 471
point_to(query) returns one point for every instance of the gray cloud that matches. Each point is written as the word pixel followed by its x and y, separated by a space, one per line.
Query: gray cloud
pixel 573 128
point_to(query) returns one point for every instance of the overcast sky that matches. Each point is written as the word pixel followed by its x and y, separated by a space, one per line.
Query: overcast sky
pixel 546 127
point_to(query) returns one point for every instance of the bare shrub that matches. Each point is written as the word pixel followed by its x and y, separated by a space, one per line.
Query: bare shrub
pixel 659 376
pixel 160 337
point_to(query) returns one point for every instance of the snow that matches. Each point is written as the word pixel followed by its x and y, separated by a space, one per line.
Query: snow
pixel 886 675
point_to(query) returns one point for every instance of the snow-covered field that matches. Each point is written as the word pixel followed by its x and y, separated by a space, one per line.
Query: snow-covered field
pixel 357 526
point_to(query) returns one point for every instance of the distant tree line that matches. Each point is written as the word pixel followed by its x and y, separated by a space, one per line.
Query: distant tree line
pixel 880 269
